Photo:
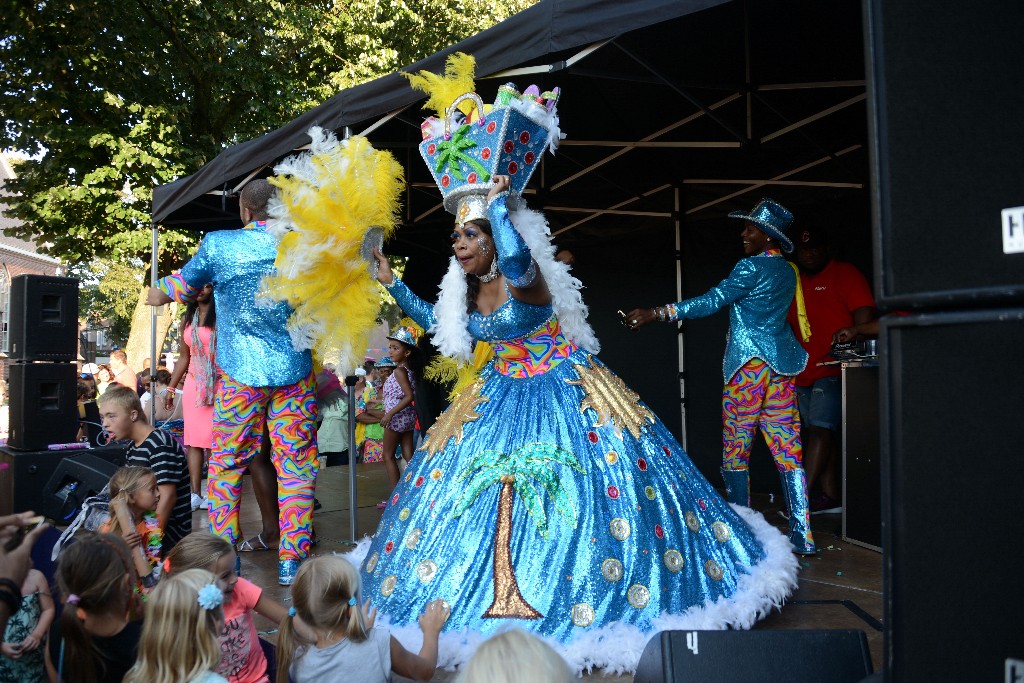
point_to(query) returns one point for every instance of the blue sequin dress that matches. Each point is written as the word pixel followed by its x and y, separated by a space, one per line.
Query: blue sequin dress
pixel 550 497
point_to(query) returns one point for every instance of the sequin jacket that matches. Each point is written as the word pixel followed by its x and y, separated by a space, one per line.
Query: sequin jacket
pixel 758 291
pixel 253 345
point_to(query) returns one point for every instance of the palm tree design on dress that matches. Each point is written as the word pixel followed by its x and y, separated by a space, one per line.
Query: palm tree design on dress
pixel 451 154
pixel 514 472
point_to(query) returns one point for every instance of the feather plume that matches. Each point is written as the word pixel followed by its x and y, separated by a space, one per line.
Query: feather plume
pixel 442 89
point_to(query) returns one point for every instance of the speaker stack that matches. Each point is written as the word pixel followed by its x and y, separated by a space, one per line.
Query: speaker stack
pixel 948 186
pixel 43 345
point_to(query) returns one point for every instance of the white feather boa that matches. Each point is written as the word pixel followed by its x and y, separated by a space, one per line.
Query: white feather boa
pixel 451 331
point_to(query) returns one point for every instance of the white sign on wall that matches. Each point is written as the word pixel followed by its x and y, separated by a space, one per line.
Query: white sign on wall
pixel 1013 230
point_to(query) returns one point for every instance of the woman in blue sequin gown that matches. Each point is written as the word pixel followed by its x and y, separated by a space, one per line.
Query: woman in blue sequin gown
pixel 550 497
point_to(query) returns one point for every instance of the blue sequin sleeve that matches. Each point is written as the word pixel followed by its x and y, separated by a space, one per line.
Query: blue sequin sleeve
pixel 733 288
pixel 415 307
pixel 514 259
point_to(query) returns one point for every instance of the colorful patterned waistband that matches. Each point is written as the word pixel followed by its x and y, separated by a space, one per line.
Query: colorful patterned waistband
pixel 535 354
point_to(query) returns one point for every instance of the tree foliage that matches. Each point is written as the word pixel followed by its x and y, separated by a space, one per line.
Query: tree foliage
pixel 115 96
pixel 107 296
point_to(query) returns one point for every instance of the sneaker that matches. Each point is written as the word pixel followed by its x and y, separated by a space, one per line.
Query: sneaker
pixel 286 571
pixel 825 505
pixel 196 501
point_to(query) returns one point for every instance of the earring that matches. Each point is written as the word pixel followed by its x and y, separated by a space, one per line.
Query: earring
pixel 491 273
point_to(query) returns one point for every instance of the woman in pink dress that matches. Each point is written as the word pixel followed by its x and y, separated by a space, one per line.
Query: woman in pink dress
pixel 197 362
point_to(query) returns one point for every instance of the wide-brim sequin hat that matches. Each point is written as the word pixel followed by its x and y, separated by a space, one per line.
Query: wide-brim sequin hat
pixel 385 362
pixel 771 218
pixel 404 335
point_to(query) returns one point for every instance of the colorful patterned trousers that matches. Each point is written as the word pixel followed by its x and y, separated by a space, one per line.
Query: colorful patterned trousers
pixel 757 396
pixel 239 415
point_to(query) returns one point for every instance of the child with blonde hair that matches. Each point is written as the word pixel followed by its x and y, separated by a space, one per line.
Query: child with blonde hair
pixel 515 655
pixel 134 497
pixel 327 632
pixel 96 637
pixel 241 657
pixel 179 638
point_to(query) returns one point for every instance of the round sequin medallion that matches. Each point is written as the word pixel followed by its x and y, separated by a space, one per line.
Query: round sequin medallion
pixel 673 560
pixel 692 523
pixel 721 530
pixel 371 563
pixel 619 529
pixel 638 596
pixel 435 474
pixel 611 457
pixel 582 614
pixel 413 539
pixel 611 569
pixel 659 531
pixel 613 492
pixel 713 570
pixel 404 514
pixel 650 493
pixel 387 587
pixel 642 464
pixel 426 570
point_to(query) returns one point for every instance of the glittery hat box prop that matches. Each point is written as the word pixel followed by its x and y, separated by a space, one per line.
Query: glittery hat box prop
pixel 464 152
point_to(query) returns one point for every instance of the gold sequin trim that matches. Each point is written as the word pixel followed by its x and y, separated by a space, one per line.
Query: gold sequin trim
pixel 413 539
pixel 426 570
pixel 508 600
pixel 611 457
pixel 449 424
pixel 607 395
pixel 692 523
pixel 638 596
pixel 582 614
pixel 713 570
pixel 408 475
pixel 619 529
pixel 371 563
pixel 673 560
pixel 387 587
pixel 404 514
pixel 611 569
pixel 721 530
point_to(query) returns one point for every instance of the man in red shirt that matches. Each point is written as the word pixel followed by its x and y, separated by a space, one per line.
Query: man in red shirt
pixel 836 295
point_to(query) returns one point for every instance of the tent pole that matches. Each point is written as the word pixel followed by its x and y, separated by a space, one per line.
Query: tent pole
pixel 152 328
pixel 678 219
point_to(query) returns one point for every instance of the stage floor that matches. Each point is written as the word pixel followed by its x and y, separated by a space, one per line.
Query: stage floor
pixel 840 587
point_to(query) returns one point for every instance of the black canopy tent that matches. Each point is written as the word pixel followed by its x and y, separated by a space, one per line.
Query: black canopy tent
pixel 676 112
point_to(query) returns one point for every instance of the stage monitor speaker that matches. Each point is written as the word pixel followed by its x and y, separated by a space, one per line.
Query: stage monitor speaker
pixel 75 479
pixel 43 323
pixel 23 474
pixel 793 656
pixel 947 132
pixel 43 405
pixel 951 495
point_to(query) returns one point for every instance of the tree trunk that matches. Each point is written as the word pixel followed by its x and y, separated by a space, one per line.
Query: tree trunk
pixel 138 347
pixel 508 601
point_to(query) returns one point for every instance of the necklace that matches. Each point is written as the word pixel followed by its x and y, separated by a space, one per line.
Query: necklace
pixel 492 273
pixel 154 538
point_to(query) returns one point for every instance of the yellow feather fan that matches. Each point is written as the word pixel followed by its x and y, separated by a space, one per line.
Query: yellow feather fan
pixel 443 89
pixel 328 200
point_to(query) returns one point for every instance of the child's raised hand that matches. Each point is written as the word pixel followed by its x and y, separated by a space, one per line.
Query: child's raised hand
pixel 434 616
pixel 369 614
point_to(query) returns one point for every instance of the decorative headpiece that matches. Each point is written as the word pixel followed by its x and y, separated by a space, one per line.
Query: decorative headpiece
pixel 210 597
pixel 464 149
pixel 403 334
pixel 771 218
pixel 385 362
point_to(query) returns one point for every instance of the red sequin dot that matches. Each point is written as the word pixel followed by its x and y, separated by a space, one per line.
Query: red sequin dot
pixel 471 178
pixel 446 180
pixel 642 464
pixel 389 546
pixel 431 148
pixel 613 492
pixel 524 137
pixel 658 531
pixel 512 167
pixel 592 437
pixel 509 146
pixel 529 157
pixel 485 153
pixel 394 499
pixel 668 451
pixel 491 127
pixel 419 481
pixel 702 504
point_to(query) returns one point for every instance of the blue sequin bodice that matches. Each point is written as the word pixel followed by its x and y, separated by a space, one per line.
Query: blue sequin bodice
pixel 514 319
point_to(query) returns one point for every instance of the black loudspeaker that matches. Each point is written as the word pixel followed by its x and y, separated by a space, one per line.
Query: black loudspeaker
pixel 75 479
pixel 43 405
pixel 951 495
pixel 751 656
pixel 43 323
pixel 24 474
pixel 945 95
